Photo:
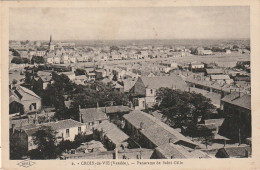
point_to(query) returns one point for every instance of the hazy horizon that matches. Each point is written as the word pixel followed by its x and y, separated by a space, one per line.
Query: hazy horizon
pixel 214 22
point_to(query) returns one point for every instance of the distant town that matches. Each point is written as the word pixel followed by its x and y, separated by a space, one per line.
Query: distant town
pixel 143 99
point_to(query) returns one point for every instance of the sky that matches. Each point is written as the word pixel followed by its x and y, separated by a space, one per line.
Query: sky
pixel 129 23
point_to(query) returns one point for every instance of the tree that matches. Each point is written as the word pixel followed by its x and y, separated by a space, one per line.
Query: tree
pixel 37 59
pixel 115 77
pixel 81 138
pixel 114 48
pixel 28 78
pixel 25 60
pixel 18 146
pixel 80 72
pixel 235 46
pixel 45 140
pixel 16 60
pixel 183 108
pixel 14 82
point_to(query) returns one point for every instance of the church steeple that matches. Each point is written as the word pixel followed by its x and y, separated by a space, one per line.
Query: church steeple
pixel 51 45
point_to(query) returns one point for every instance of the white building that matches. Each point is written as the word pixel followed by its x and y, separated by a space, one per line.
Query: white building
pixel 65 130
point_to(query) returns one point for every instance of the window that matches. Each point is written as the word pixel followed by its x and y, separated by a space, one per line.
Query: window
pixel 79 129
pixel 143 104
pixel 32 106
pixel 151 91
pixel 136 102
pixel 67 133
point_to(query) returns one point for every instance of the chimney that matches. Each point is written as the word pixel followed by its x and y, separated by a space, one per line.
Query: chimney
pixel 116 153
pixel 170 140
pixel 80 115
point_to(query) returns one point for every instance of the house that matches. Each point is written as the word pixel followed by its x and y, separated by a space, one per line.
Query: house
pixel 65 59
pixel 213 71
pixel 81 79
pixel 149 132
pixel 91 76
pixel 49 60
pixel 196 65
pixel 221 79
pixel 128 84
pixel 71 75
pixel 100 73
pixel 56 60
pixel 92 116
pixel 43 81
pixel 110 135
pixel 234 152
pixel 172 65
pixel 237 123
pixel 23 100
pixel 228 51
pixel 115 113
pixel 117 87
pixel 65 130
pixel 145 87
pixel 206 52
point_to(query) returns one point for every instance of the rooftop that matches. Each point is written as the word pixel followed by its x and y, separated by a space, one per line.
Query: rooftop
pixel 157 82
pixel 238 99
pixel 170 151
pixel 156 131
pixel 92 115
pixel 62 124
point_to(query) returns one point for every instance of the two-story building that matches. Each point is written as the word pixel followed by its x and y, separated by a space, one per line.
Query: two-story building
pixel 23 100
pixel 144 90
pixel 64 130
pixel 237 124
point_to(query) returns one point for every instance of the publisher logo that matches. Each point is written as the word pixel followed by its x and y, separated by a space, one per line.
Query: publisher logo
pixel 26 163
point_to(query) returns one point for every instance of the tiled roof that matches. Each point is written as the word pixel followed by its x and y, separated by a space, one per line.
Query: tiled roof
pixel 237 151
pixel 62 124
pixel 117 136
pixel 220 77
pixel 217 122
pixel 46 78
pixel 214 71
pixel 18 123
pixel 22 90
pixel 81 77
pixel 164 81
pixel 115 109
pixel 170 151
pixel 208 84
pixel 44 73
pixel 156 131
pixel 243 101
pixel 128 84
pixel 112 132
pixel 92 114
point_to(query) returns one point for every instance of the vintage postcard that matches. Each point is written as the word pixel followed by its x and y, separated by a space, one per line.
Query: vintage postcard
pixel 130 84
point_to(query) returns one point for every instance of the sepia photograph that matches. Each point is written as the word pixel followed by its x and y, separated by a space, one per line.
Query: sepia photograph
pixel 129 83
